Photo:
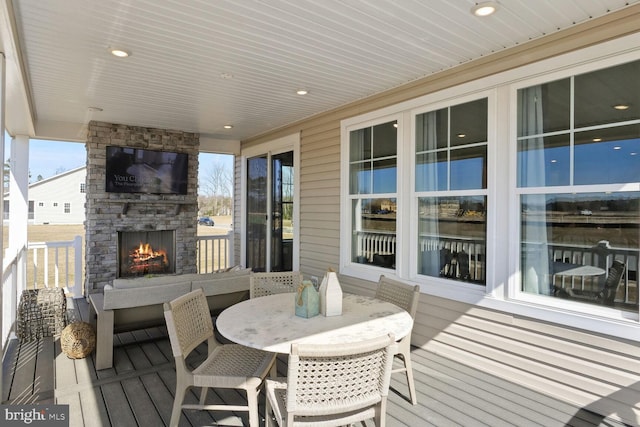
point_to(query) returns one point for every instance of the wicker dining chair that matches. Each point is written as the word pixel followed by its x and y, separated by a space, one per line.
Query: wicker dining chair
pixel 405 297
pixel 263 284
pixel 332 385
pixel 230 366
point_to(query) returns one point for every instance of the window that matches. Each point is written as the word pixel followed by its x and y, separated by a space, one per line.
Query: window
pixel 67 208
pixel 55 204
pixel 41 204
pixel 450 184
pixel 372 193
pixel 519 192
pixel 82 187
pixel 578 149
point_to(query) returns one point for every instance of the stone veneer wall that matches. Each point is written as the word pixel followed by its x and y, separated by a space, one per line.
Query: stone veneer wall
pixel 108 213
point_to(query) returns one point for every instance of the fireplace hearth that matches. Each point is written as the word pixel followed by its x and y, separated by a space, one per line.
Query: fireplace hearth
pixel 146 252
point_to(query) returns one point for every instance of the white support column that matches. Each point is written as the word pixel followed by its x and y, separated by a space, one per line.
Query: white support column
pixel 19 200
pixel 3 333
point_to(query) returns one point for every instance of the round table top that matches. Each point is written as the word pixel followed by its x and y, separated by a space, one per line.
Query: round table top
pixel 567 269
pixel 269 323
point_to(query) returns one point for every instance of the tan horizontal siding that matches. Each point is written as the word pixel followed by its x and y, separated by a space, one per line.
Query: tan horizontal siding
pixel 590 370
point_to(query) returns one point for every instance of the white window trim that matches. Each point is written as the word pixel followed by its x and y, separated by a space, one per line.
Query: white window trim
pixel 502 290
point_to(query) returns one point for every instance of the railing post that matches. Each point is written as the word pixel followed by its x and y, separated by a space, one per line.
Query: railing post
pixel 77 272
pixel 230 250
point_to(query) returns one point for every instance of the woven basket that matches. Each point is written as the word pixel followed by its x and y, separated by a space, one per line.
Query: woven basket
pixel 78 340
pixel 41 313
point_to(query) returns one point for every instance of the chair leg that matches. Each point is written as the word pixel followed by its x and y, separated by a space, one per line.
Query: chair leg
pixel 177 405
pixel 252 402
pixel 267 412
pixel 409 369
pixel 203 395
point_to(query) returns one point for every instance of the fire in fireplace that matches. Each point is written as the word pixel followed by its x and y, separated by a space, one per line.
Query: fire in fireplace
pixel 146 252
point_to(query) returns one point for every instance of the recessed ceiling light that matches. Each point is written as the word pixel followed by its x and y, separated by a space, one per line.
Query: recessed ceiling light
pixel 484 8
pixel 554 161
pixel 597 139
pixel 120 53
pixel 461 135
pixel 302 91
pixel 617 147
pixel 621 107
pixel 95 109
pixel 228 126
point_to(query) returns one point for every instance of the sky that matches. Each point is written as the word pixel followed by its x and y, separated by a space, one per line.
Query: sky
pixel 48 158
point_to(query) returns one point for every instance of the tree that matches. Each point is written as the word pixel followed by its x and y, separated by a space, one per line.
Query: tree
pixel 216 189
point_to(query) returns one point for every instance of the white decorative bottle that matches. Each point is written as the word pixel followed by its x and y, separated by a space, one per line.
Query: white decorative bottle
pixel 330 295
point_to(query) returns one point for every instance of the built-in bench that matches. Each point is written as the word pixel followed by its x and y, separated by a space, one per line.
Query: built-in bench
pixel 131 304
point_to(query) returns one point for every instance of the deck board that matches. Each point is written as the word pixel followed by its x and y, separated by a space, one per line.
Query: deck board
pixel 139 389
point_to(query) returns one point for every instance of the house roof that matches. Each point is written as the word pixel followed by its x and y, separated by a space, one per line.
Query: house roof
pixel 199 65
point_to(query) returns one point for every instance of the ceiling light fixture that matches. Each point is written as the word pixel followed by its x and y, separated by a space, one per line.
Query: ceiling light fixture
pixel 621 107
pixel 461 135
pixel 228 126
pixel 484 8
pixel 302 91
pixel 120 53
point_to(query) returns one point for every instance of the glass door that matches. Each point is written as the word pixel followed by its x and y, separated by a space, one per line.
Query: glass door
pixel 270 203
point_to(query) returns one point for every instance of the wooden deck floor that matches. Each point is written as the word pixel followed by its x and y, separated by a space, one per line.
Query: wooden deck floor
pixel 138 391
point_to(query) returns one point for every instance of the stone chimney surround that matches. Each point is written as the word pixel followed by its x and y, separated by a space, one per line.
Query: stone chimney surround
pixel 109 213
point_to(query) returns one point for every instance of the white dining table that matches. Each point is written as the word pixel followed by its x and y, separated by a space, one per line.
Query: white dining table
pixel 567 269
pixel 270 323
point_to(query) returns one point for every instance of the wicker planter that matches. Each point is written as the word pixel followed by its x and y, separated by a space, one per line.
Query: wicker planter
pixel 78 340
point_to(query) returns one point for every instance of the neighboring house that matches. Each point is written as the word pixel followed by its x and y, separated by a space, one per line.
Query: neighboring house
pixel 59 199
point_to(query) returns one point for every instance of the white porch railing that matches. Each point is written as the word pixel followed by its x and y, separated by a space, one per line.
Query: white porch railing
pixel 59 264
pixel 12 277
pixel 602 255
pixel 56 264
pixel 214 252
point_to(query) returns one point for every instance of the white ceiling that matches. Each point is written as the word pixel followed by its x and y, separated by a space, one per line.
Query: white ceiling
pixel 339 50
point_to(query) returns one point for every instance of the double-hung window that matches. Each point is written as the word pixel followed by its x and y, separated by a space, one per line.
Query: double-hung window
pixel 450 187
pixel 373 190
pixel 578 170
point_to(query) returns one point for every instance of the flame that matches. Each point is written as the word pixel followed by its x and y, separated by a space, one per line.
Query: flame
pixel 145 252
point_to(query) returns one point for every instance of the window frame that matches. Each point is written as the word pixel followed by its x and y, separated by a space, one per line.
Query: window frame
pixel 347 266
pixel 502 278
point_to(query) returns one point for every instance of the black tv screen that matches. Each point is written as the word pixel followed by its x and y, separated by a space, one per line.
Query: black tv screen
pixel 135 170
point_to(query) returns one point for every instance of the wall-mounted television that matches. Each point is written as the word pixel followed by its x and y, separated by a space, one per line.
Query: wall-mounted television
pixel 135 170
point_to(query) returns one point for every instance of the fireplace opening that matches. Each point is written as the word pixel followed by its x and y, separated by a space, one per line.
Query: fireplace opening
pixel 146 252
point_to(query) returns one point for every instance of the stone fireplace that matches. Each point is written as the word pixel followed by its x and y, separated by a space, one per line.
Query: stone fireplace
pixel 134 234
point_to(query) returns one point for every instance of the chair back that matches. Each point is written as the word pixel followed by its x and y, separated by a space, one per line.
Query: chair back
pixel 325 380
pixel 188 322
pixel 263 284
pixel 610 288
pixel 398 293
